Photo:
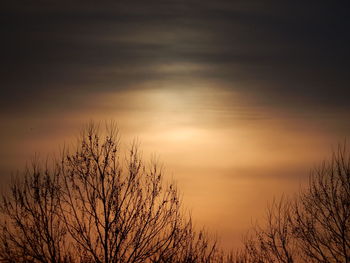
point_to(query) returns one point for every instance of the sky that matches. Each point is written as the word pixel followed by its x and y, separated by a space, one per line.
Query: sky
pixel 239 99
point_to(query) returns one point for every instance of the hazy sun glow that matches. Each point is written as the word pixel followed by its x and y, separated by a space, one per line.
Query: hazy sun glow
pixel 229 157
pixel 238 99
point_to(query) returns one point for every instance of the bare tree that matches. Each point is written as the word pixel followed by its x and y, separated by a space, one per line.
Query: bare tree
pixel 315 227
pixel 274 242
pixel 95 206
pixel 194 247
pixel 115 216
pixel 31 229
pixel 322 213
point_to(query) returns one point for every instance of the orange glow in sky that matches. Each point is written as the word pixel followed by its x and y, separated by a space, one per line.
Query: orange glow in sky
pixel 238 99
pixel 229 158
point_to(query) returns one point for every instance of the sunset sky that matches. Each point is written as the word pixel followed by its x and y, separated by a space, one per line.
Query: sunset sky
pixel 238 99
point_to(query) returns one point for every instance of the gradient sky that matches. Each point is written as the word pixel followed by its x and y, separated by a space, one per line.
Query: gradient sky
pixel 239 99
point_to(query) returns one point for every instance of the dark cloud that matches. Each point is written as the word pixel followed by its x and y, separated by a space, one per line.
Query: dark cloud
pixel 281 52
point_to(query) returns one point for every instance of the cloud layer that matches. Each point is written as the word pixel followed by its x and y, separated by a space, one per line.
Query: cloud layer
pixel 281 54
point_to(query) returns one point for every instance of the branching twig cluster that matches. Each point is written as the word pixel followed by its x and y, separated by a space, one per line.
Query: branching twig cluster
pixel 94 206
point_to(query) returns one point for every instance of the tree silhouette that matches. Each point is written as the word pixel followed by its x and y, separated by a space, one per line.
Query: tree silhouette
pixel 94 206
pixel 314 227
pixel 321 218
pixel 274 242
pixel 31 227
